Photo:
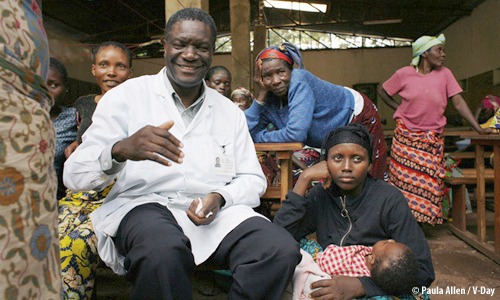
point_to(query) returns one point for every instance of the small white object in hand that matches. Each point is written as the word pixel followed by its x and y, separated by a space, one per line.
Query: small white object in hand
pixel 200 206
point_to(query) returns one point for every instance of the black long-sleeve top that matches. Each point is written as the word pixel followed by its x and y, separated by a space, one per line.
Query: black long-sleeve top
pixel 380 212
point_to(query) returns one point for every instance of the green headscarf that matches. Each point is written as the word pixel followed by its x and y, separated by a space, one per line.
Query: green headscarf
pixel 423 44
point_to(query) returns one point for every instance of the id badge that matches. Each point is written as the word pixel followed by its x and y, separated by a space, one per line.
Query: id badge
pixel 224 165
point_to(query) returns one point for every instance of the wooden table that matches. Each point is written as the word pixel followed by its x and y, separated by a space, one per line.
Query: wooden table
pixel 284 153
pixel 479 241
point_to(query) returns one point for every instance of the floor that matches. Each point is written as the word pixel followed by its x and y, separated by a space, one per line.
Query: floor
pixel 457 266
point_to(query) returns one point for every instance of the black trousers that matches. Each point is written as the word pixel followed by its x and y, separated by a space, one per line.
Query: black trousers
pixel 261 256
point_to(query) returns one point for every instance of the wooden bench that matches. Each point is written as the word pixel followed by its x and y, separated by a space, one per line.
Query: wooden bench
pixel 284 152
pixel 468 154
pixel 458 185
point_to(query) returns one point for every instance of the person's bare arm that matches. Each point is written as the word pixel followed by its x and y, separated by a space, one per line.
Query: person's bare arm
pixel 477 113
pixel 70 149
pixel 462 107
pixel 298 162
pixel 387 98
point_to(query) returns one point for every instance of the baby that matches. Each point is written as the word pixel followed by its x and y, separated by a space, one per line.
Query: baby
pixel 392 266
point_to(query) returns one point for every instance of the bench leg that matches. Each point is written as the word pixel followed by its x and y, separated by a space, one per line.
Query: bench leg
pixel 458 206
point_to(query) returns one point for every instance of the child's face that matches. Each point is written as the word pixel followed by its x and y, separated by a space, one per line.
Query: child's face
pixel 111 68
pixel 242 100
pixel 381 246
pixel 381 250
pixel 56 85
pixel 348 165
pixel 221 82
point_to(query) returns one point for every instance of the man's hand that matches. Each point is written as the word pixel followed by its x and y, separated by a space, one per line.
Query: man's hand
pixel 150 143
pixel 211 204
pixel 339 288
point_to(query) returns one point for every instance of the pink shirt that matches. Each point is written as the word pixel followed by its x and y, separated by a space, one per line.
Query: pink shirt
pixel 423 97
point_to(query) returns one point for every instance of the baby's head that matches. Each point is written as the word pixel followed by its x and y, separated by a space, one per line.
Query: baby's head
pixel 393 267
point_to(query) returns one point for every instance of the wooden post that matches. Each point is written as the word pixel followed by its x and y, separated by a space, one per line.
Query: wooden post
pixel 480 195
pixel 496 166
pixel 240 36
pixel 171 6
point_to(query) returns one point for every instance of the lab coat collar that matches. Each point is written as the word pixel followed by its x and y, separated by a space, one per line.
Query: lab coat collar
pixel 166 90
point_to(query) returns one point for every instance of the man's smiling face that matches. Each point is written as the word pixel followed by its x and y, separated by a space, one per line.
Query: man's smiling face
pixel 188 53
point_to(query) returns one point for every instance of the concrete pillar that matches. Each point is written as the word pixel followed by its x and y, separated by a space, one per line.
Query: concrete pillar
pixel 240 38
pixel 171 6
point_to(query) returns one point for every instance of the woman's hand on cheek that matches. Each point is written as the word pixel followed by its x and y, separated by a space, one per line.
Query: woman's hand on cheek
pixel 318 172
pixel 257 78
pixel 257 73
pixel 339 287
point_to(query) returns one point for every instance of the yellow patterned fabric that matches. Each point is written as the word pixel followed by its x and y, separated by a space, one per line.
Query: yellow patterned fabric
pixel 29 255
pixel 78 243
pixel 493 122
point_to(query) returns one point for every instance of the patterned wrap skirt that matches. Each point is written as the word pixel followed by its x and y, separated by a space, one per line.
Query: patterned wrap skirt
pixel 370 117
pixel 78 243
pixel 417 168
pixel 29 252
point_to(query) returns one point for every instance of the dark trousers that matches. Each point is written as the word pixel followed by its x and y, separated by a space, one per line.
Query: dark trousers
pixel 159 261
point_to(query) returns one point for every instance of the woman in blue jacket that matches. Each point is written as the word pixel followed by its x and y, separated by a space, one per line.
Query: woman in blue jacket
pixel 304 108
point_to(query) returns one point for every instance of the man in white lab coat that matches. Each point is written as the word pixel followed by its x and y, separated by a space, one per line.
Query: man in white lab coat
pixel 187 178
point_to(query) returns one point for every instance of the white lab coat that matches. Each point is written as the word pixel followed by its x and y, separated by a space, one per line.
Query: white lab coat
pixel 219 129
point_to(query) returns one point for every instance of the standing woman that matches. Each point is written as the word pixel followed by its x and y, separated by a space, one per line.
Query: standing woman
pixel 28 183
pixel 303 108
pixel 112 65
pixel 416 165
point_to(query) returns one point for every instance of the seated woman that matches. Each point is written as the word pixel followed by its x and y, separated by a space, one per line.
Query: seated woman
pixel 303 108
pixel 242 97
pixel 112 65
pixel 489 106
pixel 351 208
pixel 219 78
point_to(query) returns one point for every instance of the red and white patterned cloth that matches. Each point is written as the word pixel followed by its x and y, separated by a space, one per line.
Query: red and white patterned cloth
pixel 346 261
